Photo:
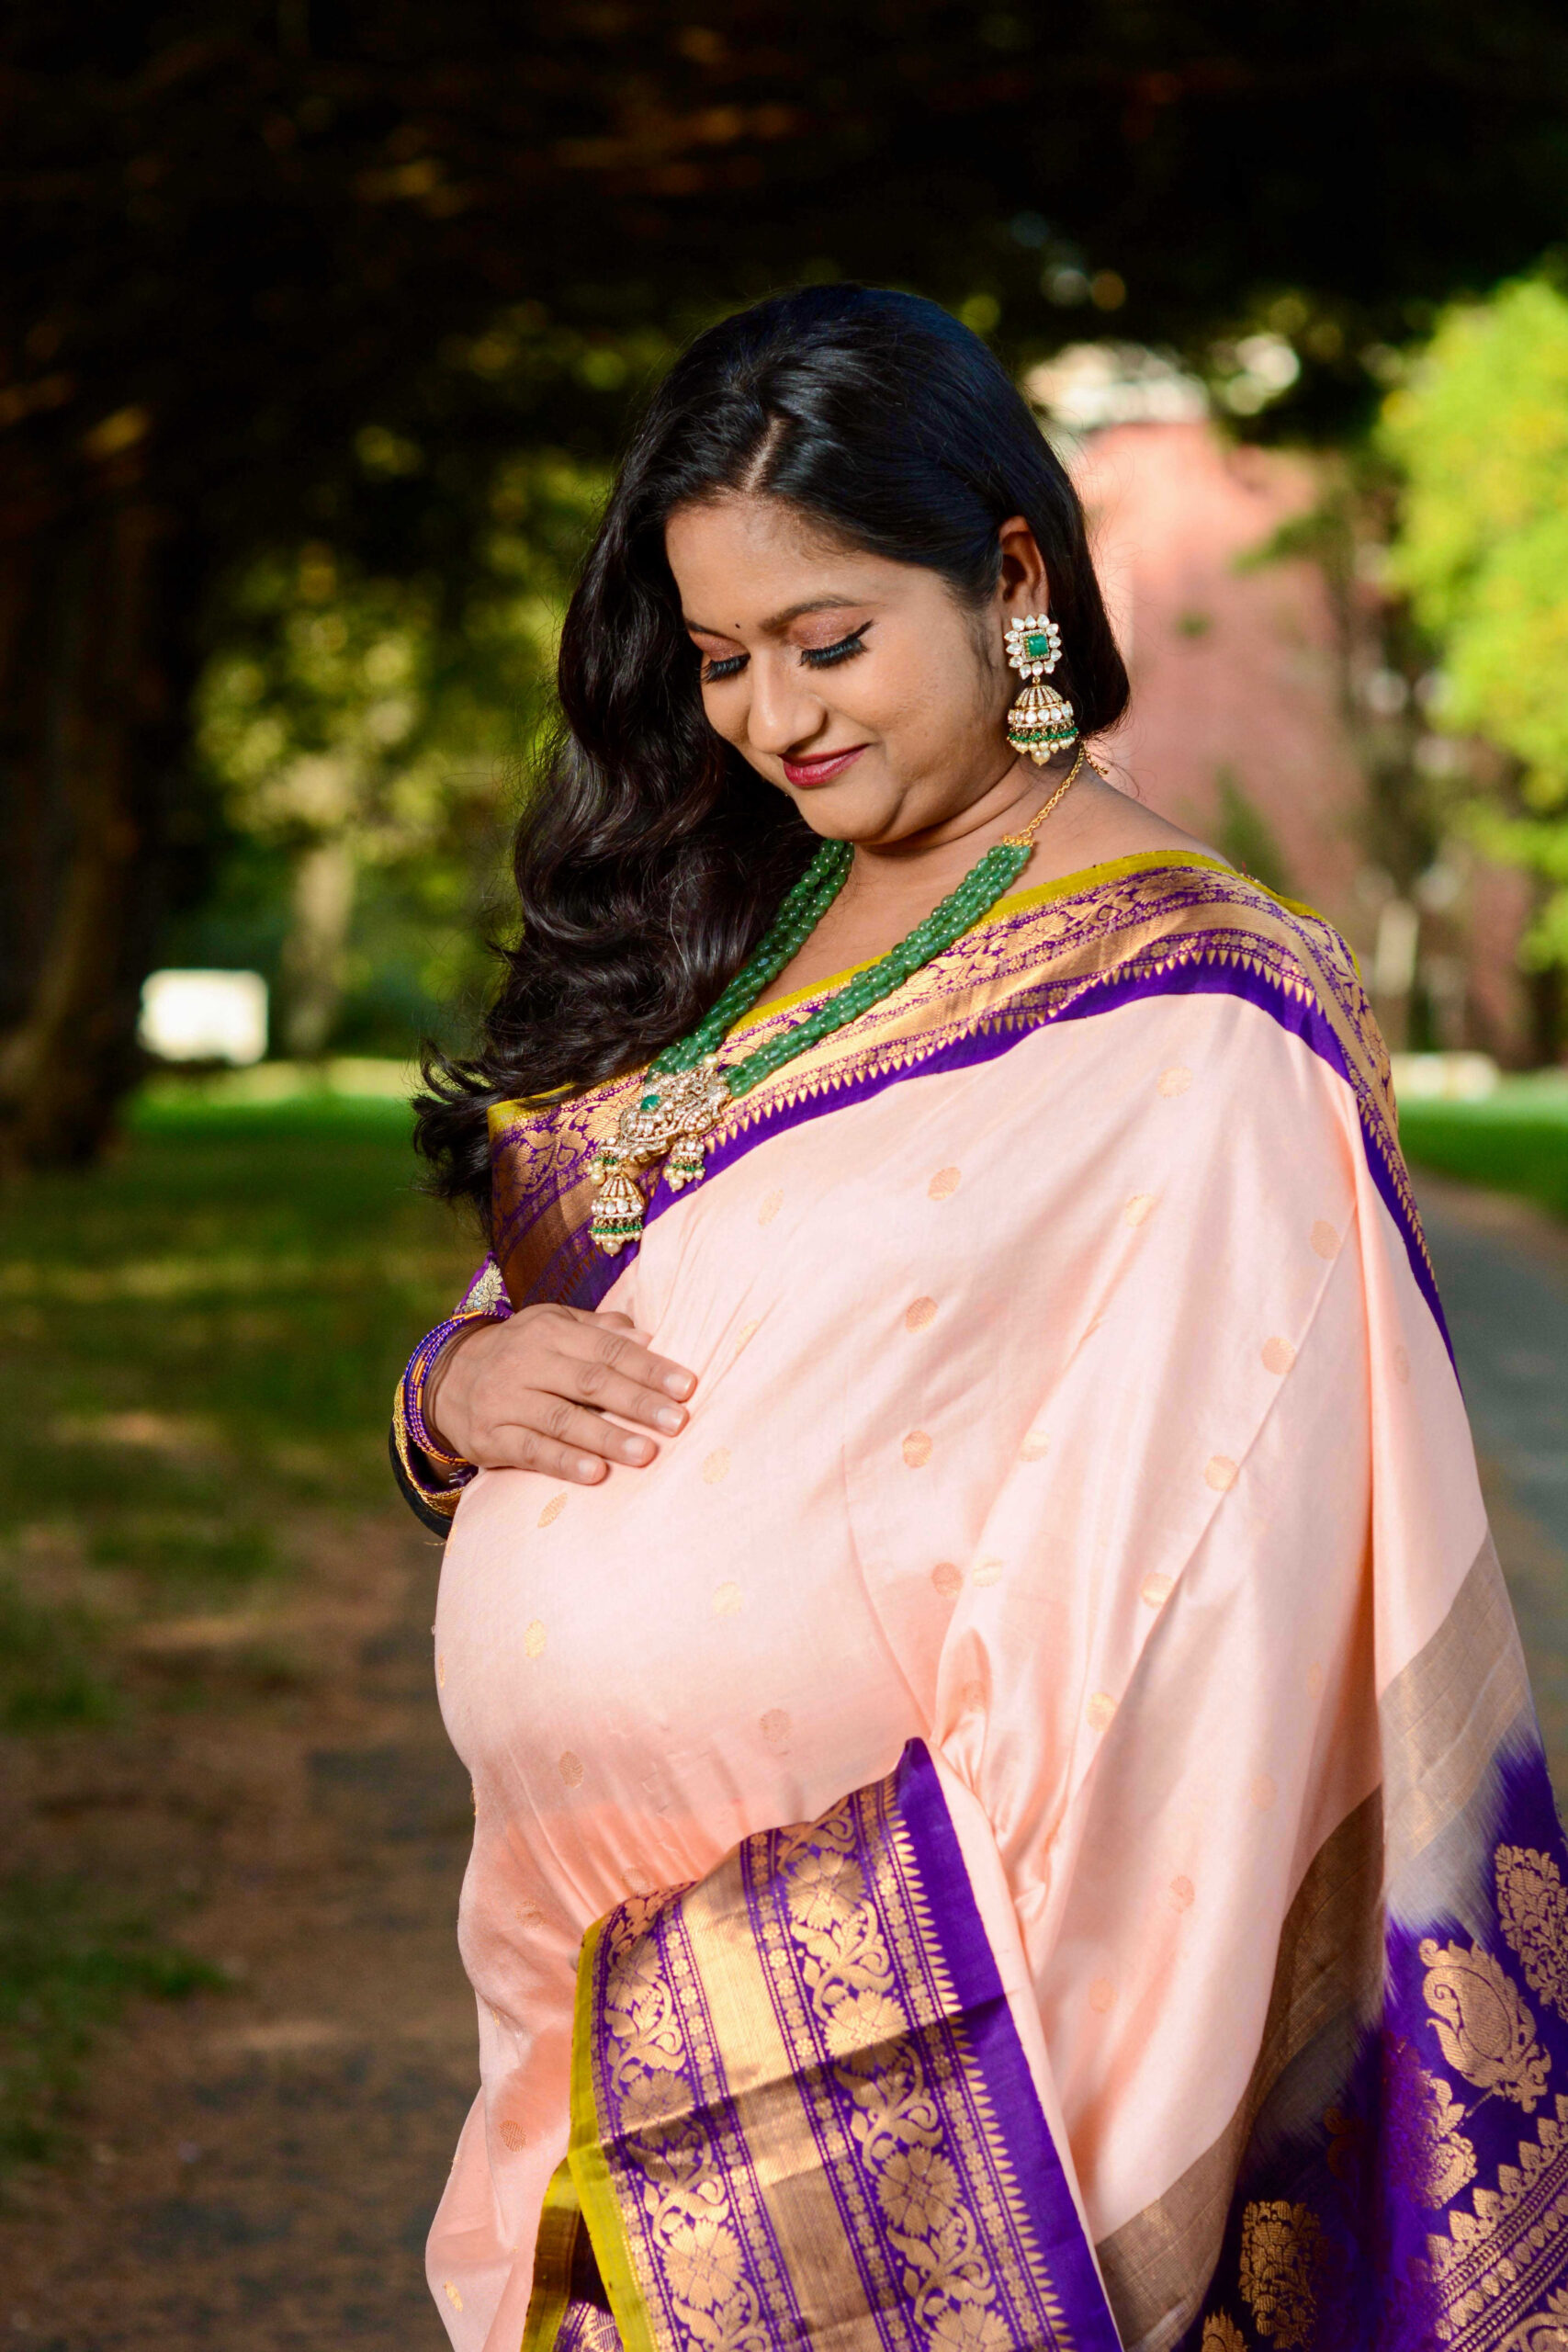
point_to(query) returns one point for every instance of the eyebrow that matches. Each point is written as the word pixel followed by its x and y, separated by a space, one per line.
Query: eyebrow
pixel 776 622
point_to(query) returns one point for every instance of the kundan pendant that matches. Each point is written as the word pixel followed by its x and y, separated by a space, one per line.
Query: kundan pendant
pixel 675 1114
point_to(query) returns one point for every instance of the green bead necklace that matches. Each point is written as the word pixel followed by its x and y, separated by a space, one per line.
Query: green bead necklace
pixel 687 1093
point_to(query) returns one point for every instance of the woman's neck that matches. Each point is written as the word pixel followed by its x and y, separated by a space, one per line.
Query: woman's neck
pixel 891 889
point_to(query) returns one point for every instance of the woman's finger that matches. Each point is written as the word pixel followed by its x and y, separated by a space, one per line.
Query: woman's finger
pixel 593 1385
pixel 623 1323
pixel 512 1445
pixel 593 1318
pixel 581 1428
pixel 624 1356
pixel 591 1381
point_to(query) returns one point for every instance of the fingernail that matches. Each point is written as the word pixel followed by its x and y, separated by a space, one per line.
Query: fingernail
pixel 587 1466
pixel 668 1418
pixel 638 1449
pixel 679 1384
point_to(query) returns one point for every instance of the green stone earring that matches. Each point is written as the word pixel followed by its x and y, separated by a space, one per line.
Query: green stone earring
pixel 1041 721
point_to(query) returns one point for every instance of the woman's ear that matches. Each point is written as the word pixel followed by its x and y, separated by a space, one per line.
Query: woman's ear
pixel 1023 586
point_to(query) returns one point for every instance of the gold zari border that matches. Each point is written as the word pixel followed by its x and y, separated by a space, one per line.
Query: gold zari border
pixel 1143 921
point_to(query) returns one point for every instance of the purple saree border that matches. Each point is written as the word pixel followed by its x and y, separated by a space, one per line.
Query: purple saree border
pixel 590 1279
pixel 1424 2177
pixel 762 2275
pixel 998 2054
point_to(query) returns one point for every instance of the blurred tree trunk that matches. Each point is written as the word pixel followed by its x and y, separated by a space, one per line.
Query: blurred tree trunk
pixel 91 716
pixel 324 882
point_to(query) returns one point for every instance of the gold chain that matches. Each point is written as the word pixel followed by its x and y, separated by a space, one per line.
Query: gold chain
pixel 1025 839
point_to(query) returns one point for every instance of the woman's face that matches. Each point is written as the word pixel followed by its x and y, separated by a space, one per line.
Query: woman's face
pixel 860 687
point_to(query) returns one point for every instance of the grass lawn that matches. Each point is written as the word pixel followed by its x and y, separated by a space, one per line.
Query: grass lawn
pixel 1516 1140
pixel 197 1343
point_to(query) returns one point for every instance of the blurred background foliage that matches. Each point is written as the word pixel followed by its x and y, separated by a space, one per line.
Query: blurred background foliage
pixel 1479 436
pixel 348 290
pixel 364 740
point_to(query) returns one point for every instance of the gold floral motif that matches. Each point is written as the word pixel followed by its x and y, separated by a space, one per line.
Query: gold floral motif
pixel 1426 2152
pixel 703 2263
pixel 1483 2026
pixel 686 2189
pixel 585 2328
pixel 1282 2248
pixel 1532 1904
pixel 1512 2245
pixel 887 2070
pixel 970 2327
pixel 826 1890
pixel 1220 2333
pixel 1448 2158
pixel 1546 2331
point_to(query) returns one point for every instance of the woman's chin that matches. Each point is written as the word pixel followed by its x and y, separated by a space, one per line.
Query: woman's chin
pixel 861 809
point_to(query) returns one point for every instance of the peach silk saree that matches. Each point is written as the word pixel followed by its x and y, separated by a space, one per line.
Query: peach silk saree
pixel 1026 1826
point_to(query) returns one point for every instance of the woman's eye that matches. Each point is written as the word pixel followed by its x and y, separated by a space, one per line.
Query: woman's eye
pixel 819 657
pixel 724 669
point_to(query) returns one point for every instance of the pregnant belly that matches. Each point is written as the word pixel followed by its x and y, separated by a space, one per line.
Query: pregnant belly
pixel 638 1674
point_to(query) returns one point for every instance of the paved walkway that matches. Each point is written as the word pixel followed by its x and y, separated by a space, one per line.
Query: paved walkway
pixel 1504 1273
pixel 1502 1270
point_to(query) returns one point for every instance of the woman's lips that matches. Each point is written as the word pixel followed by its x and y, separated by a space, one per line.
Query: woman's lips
pixel 817 771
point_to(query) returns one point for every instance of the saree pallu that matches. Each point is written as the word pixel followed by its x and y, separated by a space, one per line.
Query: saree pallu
pixel 803 2110
pixel 1074 1402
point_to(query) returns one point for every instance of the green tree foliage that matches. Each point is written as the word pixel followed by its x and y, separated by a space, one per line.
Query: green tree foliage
pixel 1481 434
pixel 372 726
pixel 280 272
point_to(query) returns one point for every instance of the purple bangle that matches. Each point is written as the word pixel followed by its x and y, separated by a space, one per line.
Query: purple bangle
pixel 414 1378
pixel 484 1301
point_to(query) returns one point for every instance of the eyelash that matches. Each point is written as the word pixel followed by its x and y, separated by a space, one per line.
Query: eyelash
pixel 814 657
pixel 822 657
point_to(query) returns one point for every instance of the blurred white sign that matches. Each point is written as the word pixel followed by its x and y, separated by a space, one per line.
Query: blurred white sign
pixel 1444 1078
pixel 1093 384
pixel 204 1016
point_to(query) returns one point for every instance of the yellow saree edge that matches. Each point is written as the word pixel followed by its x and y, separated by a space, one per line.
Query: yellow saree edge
pixel 1016 902
pixel 559 2219
pixel 1006 909
pixel 590 2170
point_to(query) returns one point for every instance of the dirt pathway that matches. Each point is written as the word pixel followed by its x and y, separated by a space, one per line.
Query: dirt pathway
pixel 258 2166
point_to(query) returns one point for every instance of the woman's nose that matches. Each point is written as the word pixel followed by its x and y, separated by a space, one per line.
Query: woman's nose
pixel 785 710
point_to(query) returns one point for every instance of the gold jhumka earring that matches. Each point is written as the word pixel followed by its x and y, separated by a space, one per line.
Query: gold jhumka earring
pixel 1041 721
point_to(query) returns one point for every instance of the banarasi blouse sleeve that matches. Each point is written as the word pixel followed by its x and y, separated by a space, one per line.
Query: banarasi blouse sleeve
pixel 429 1479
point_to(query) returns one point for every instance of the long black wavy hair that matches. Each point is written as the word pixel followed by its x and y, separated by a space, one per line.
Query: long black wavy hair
pixel 651 857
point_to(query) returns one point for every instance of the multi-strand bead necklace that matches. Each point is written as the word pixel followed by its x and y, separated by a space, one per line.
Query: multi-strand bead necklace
pixel 686 1093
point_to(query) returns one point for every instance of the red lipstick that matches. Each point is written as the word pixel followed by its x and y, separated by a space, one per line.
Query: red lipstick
pixel 826 765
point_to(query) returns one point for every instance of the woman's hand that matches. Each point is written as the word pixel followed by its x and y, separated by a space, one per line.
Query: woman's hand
pixel 532 1392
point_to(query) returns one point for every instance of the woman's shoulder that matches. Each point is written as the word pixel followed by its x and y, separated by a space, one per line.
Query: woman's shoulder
pixel 1125 874
pixel 1125 903
pixel 1171 917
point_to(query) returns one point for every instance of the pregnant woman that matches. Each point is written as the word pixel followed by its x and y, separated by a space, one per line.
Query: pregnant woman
pixel 1007 1807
